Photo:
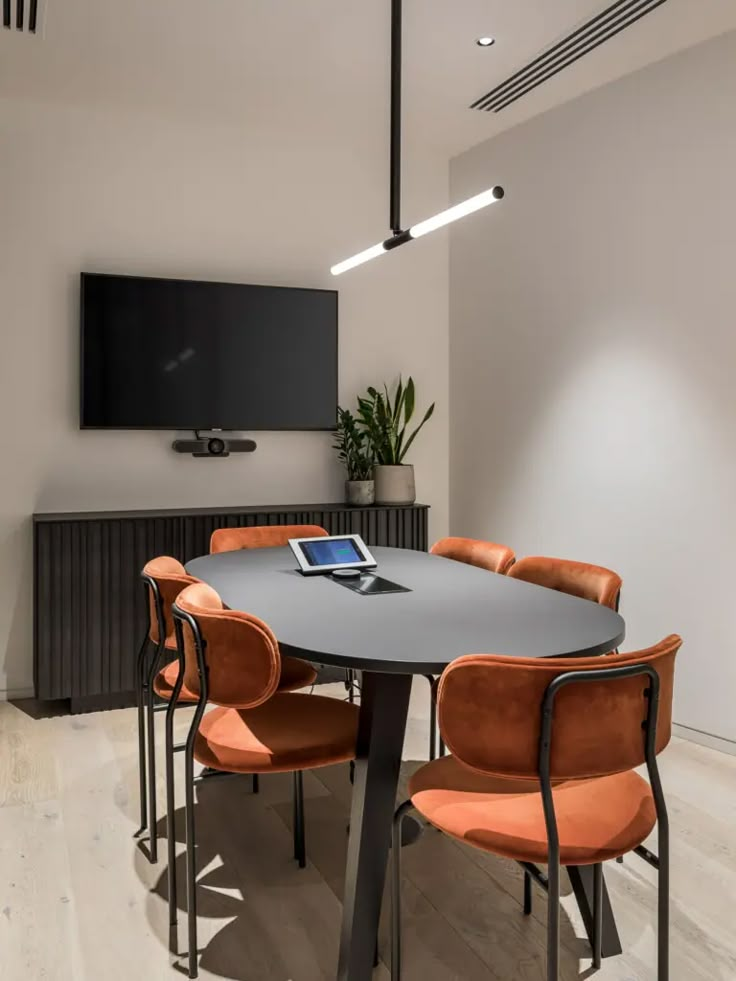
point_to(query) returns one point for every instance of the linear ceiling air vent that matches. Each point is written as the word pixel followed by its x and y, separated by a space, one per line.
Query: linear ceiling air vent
pixel 21 15
pixel 585 39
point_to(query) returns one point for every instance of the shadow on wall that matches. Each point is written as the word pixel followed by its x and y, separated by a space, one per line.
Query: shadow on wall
pixel 597 409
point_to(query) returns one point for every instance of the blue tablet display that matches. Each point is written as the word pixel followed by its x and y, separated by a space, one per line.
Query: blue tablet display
pixel 335 551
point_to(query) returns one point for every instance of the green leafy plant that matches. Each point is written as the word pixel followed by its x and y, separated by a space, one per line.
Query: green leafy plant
pixel 386 419
pixel 353 446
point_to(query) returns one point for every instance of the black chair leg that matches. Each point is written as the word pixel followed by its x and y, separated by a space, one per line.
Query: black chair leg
pixel 151 727
pixel 435 686
pixel 663 903
pixel 256 784
pixel 396 890
pixel 191 866
pixel 527 894
pixel 294 815
pixel 141 691
pixel 152 811
pixel 432 717
pixel 171 827
pixel 597 916
pixel 300 852
pixel 553 919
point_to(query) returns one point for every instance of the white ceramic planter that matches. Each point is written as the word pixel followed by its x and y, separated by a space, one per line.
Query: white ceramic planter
pixel 360 493
pixel 395 484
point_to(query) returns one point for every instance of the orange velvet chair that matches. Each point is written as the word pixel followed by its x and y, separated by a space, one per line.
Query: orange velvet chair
pixel 273 536
pixel 261 536
pixel 163 579
pixel 231 659
pixel 591 582
pixel 543 770
pixel 484 555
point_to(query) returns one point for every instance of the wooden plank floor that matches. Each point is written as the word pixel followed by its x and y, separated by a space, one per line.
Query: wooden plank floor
pixel 80 902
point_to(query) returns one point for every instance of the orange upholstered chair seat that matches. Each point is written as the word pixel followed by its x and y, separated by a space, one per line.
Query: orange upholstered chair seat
pixel 261 536
pixel 591 582
pixel 598 819
pixel 544 770
pixel 472 551
pixel 295 674
pixel 288 732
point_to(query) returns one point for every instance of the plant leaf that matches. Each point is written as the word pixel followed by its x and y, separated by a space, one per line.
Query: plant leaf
pixel 409 401
pixel 399 397
pixel 427 416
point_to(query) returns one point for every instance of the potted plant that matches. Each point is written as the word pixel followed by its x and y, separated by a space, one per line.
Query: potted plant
pixel 386 421
pixel 354 450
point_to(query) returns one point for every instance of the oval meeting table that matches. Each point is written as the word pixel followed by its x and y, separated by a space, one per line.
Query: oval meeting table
pixel 451 609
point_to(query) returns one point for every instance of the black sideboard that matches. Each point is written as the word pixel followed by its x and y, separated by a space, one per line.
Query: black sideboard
pixel 89 606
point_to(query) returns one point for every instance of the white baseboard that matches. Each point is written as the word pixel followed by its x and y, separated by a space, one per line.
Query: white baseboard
pixel 11 694
pixel 705 739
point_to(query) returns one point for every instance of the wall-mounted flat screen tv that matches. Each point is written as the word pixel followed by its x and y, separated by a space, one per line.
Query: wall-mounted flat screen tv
pixel 180 354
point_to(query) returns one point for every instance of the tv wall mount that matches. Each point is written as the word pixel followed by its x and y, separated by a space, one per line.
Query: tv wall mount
pixel 213 445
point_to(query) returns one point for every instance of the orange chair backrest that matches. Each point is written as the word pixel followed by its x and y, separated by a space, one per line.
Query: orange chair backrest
pixel 591 582
pixel 241 653
pixel 485 555
pixel 261 536
pixel 490 712
pixel 171 577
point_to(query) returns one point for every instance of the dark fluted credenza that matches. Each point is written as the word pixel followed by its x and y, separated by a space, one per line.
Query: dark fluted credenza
pixel 89 608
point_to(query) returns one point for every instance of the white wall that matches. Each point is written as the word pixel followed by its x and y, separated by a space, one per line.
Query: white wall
pixel 105 191
pixel 593 353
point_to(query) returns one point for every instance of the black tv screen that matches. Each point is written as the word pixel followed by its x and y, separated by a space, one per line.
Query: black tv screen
pixel 180 354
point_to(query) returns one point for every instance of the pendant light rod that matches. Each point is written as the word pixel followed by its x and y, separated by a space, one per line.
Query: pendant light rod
pixel 398 235
pixel 396 71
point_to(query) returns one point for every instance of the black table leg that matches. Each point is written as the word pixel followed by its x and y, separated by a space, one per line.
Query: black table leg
pixel 383 710
pixel 581 879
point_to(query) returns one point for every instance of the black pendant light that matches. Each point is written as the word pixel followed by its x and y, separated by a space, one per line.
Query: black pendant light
pixel 401 236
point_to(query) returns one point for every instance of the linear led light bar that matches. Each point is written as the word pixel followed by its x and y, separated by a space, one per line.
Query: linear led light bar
pixel 585 39
pixel 476 203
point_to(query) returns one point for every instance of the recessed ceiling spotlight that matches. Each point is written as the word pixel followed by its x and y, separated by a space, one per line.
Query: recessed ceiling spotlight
pixel 485 42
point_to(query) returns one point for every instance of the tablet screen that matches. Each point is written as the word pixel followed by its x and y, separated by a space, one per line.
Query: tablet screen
pixel 331 551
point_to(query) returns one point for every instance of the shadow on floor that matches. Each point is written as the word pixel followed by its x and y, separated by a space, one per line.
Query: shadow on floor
pixel 35 708
pixel 463 920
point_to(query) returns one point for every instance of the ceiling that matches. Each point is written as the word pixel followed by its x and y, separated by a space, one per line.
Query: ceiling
pixel 319 68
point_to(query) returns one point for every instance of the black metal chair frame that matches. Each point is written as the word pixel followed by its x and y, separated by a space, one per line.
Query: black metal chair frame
pixel 148 705
pixel 551 882
pixel 146 670
pixel 434 683
pixel 181 617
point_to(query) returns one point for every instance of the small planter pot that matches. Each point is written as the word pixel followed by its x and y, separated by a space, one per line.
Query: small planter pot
pixel 360 493
pixel 395 484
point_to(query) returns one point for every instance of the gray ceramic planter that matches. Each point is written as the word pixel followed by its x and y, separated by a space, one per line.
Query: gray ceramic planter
pixel 395 484
pixel 360 493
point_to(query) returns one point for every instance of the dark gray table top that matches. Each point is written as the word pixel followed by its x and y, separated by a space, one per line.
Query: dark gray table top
pixel 453 609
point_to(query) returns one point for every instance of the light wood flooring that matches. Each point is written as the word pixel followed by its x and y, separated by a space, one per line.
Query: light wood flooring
pixel 80 902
